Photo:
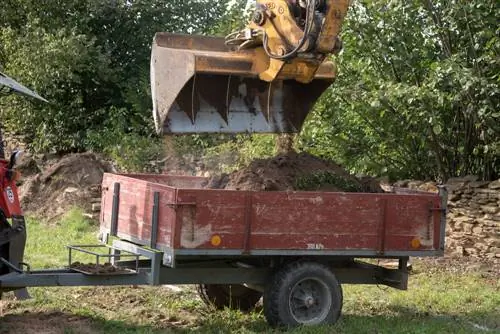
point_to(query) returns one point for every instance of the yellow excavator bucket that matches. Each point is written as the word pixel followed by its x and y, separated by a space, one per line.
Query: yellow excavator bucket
pixel 200 86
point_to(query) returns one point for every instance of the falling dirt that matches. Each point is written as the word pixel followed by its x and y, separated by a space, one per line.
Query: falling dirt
pixel 71 181
pixel 293 171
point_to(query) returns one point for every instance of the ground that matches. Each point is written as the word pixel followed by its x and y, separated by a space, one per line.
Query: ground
pixel 444 296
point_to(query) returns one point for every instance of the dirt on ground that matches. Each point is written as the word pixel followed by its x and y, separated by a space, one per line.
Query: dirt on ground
pixel 46 323
pixel 293 171
pixel 50 188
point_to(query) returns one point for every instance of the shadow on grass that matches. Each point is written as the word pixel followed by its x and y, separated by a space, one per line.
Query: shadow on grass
pixel 405 321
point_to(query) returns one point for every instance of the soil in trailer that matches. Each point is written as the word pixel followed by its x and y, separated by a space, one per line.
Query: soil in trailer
pixel 293 171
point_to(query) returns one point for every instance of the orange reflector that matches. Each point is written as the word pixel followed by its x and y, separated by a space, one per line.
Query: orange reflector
pixel 215 240
pixel 415 243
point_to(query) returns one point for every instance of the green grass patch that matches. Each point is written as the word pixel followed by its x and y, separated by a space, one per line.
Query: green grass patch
pixel 438 301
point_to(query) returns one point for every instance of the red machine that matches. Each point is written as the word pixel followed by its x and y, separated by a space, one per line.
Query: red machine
pixel 12 235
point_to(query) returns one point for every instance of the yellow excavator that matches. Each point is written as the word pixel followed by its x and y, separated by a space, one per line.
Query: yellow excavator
pixel 263 79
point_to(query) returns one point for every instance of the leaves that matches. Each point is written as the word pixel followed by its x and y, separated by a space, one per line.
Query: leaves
pixel 417 91
pixel 88 58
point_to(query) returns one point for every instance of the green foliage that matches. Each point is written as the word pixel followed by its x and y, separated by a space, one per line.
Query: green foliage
pixel 235 18
pixel 417 95
pixel 322 179
pixel 88 58
pixel 130 150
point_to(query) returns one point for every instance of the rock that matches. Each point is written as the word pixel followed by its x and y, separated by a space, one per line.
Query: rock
pixel 459 251
pixel 482 247
pixel 489 209
pixel 470 251
pixel 96 207
pixel 478 184
pixel 495 250
pixel 468 228
pixel 455 180
pixel 477 230
pixel 494 184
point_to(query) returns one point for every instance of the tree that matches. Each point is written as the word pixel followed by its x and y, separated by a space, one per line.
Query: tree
pixel 417 95
pixel 90 58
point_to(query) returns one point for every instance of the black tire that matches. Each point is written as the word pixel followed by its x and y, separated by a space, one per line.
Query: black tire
pixel 234 296
pixel 303 293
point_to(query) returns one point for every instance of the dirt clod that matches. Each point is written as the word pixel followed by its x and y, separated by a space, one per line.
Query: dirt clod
pixel 293 171
pixel 101 269
pixel 71 181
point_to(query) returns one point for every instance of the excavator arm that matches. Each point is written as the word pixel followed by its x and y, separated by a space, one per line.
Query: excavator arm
pixel 265 78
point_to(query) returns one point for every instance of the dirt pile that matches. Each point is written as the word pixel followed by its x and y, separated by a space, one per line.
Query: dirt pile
pixel 293 171
pixel 71 181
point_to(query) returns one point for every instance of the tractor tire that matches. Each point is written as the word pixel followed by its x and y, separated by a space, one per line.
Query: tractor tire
pixel 233 296
pixel 303 293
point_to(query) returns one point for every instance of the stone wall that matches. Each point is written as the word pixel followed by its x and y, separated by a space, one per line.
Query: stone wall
pixel 473 218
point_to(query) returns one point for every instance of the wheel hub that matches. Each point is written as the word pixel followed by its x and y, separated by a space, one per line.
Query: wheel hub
pixel 309 301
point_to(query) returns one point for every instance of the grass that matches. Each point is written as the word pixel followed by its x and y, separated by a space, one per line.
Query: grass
pixel 440 300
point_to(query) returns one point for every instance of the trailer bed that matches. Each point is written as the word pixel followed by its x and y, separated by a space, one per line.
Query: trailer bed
pixel 176 215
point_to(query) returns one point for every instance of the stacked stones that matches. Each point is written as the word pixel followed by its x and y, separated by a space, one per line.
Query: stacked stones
pixel 473 218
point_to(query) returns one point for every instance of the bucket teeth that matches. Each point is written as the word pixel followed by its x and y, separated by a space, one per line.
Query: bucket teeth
pixel 210 93
pixel 198 86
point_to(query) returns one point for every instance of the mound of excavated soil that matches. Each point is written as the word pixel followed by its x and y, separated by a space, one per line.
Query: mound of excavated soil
pixel 293 171
pixel 73 180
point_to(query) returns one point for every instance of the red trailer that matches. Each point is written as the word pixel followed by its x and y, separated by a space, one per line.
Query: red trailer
pixel 294 248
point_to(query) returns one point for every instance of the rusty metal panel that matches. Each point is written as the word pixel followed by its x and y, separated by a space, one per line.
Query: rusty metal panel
pixel 136 209
pixel 238 222
pixel 216 213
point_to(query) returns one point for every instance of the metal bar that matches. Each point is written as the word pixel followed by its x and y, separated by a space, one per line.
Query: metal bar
pixel 114 210
pixel 365 273
pixel 10 265
pixel 430 222
pixel 214 275
pixel 156 261
pixel 248 222
pixel 443 195
pixel 304 252
pixel 176 205
pixel 382 228
pixel 154 219
pixel 134 249
pixel 81 248
pixel 16 280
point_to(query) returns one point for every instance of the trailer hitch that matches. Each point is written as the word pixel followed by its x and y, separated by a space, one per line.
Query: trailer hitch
pixel 10 233
pixel 15 268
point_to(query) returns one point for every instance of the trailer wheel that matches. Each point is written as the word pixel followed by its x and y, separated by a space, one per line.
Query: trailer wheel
pixel 303 293
pixel 234 296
